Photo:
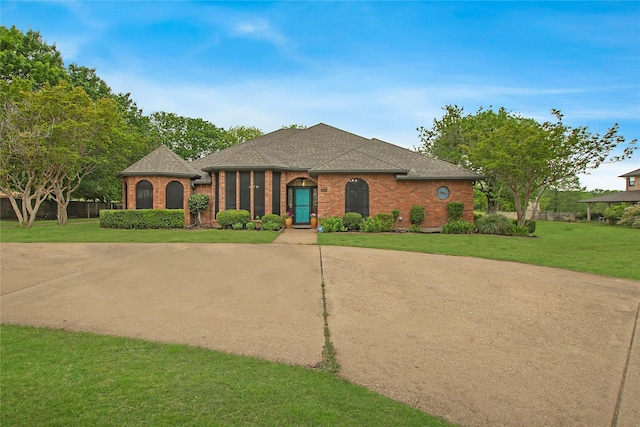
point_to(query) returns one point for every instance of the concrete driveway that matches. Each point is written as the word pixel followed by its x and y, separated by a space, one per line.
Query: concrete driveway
pixel 477 342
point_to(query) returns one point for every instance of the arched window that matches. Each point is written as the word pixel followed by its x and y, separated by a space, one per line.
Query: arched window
pixel 144 195
pixel 357 197
pixel 175 195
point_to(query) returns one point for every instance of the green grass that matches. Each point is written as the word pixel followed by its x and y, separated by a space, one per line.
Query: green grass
pixel 89 231
pixel 54 378
pixel 586 247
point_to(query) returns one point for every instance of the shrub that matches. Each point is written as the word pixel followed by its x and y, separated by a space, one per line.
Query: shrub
pixel 198 203
pixel 613 214
pixel 352 221
pixel 271 222
pixel 493 224
pixel 455 210
pixel 631 217
pixel 251 226
pixel 396 214
pixel 370 225
pixel 142 218
pixel 237 226
pixel 227 218
pixel 456 227
pixel 333 224
pixel 384 221
pixel 416 215
pixel 415 228
pixel 518 230
pixel 531 226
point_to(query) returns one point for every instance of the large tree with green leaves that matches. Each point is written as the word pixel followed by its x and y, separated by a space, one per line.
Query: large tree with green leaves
pixel 239 134
pixel 51 139
pixel 524 156
pixel 188 137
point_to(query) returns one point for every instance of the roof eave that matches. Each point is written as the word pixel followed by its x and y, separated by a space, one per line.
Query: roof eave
pixel 439 177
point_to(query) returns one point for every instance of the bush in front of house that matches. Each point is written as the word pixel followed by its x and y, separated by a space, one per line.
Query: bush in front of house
pixel 370 225
pixel 384 221
pixel 613 214
pixel 416 215
pixel 250 226
pixel 630 217
pixel 459 226
pixel 226 219
pixel 455 210
pixel 271 222
pixel 493 224
pixel 353 221
pixel 142 218
pixel 333 224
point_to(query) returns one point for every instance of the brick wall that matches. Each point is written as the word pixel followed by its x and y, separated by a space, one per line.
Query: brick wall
pixel 386 194
pixel 159 184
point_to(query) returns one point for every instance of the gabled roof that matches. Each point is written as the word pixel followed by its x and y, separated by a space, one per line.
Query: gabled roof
pixel 632 173
pixel 162 162
pixel 325 149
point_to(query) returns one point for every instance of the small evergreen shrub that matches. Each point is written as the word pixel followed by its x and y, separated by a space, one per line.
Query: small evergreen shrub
pixel 396 214
pixel 197 204
pixel 518 230
pixel 614 214
pixel 227 218
pixel 370 225
pixel 455 210
pixel 493 224
pixel 250 226
pixel 456 227
pixel 142 218
pixel 237 226
pixel 384 222
pixel 415 228
pixel 531 226
pixel 352 221
pixel 630 217
pixel 416 215
pixel 271 222
pixel 333 224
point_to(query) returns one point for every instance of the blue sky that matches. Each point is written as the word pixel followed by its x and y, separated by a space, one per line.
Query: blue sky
pixel 377 69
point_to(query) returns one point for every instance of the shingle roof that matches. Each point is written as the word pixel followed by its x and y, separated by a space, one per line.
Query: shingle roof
pixel 632 173
pixel 325 149
pixel 163 162
pixel 622 196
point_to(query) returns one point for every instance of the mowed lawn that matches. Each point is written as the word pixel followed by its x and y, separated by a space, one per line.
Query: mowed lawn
pixel 54 377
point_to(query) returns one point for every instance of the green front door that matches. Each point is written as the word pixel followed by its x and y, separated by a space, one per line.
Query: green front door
pixel 302 205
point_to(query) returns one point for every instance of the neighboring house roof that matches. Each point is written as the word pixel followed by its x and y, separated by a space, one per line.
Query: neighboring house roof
pixel 162 162
pixel 622 196
pixel 632 173
pixel 325 149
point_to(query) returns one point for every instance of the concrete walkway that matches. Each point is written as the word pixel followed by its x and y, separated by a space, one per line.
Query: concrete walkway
pixel 478 342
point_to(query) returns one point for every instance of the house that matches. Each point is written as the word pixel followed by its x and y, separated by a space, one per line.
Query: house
pixel 631 195
pixel 321 170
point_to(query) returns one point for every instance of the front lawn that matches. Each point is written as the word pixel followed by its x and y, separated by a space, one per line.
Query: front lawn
pixel 57 378
pixel 587 247
pixel 89 231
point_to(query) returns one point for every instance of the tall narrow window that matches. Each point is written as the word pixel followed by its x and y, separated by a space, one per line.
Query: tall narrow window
pixel 125 199
pixel 245 190
pixel 275 193
pixel 217 195
pixel 357 197
pixel 632 181
pixel 258 194
pixel 144 195
pixel 175 195
pixel 230 193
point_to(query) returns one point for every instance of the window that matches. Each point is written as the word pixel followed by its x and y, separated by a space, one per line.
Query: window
pixel 275 193
pixel 258 194
pixel 357 197
pixel 217 195
pixel 230 194
pixel 245 190
pixel 632 181
pixel 125 199
pixel 175 195
pixel 144 195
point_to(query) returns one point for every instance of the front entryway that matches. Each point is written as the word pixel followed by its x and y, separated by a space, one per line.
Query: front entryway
pixel 301 205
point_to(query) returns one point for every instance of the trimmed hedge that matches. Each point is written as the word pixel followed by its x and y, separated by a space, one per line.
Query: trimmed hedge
pixel 227 219
pixel 384 221
pixel 353 221
pixel 142 218
pixel 271 222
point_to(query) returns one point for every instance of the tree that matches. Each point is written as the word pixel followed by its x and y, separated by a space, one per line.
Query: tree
pixel 51 139
pixel 29 57
pixel 239 134
pixel 189 138
pixel 294 126
pixel 528 157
